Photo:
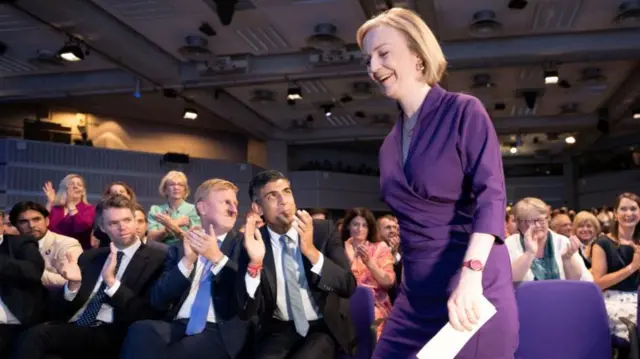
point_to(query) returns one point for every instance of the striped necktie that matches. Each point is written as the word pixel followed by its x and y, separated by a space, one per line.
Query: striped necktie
pixel 292 281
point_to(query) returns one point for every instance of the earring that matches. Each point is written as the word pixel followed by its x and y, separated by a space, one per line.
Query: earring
pixel 420 66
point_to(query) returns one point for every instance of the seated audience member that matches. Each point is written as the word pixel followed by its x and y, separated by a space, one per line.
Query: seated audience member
pixel 70 213
pixel 168 221
pixel 371 260
pixel 510 227
pixel 32 219
pixel 298 281
pixel 586 228
pixel 615 262
pixel 605 222
pixel 106 291
pixel 389 232
pixel 98 237
pixel 141 223
pixel 21 291
pixel 561 224
pixel 198 285
pixel 318 213
pixel 538 253
pixel 7 227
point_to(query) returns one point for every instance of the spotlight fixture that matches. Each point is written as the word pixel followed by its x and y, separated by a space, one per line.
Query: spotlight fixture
pixel 551 77
pixel 636 114
pixel 294 93
pixel 327 110
pixel 190 114
pixel 570 140
pixel 72 51
pixel 513 150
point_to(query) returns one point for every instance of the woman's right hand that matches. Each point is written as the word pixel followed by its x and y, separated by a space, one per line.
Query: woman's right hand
pixel 49 192
pixel 532 239
pixel 635 262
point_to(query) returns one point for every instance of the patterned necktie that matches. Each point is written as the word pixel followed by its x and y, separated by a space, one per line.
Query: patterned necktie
pixel 292 281
pixel 88 317
pixel 200 306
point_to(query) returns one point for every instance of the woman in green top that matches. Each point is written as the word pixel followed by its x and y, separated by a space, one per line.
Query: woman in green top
pixel 168 222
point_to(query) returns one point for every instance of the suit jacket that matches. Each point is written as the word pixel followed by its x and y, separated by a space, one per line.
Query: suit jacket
pixel 331 290
pixel 21 268
pixel 172 289
pixel 132 300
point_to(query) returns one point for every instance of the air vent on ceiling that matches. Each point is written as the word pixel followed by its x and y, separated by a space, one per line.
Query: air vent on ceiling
pixel 628 12
pixel 325 38
pixel 484 24
pixel 196 49
pixel 361 90
pixel 263 96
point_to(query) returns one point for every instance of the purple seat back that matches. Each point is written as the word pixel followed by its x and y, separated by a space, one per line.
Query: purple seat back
pixel 561 319
pixel 363 316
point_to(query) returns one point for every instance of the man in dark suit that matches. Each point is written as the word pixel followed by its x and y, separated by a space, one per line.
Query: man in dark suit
pixel 197 287
pixel 106 291
pixel 21 290
pixel 298 281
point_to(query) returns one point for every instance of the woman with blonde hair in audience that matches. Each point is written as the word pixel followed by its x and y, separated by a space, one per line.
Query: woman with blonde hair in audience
pixel 615 261
pixel 98 237
pixel 70 213
pixel 538 253
pixel 167 222
pixel 586 228
pixel 371 260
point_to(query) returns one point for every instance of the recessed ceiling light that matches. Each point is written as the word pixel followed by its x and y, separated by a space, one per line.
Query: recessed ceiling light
pixel 190 114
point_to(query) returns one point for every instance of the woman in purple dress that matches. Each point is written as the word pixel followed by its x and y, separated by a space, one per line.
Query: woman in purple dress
pixel 441 173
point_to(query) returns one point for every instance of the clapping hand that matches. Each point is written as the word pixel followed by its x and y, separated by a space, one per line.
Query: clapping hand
pixel 69 269
pixel 572 248
pixel 205 244
pixel 49 192
pixel 253 242
pixel 363 253
pixel 109 269
pixel 303 224
pixel 534 239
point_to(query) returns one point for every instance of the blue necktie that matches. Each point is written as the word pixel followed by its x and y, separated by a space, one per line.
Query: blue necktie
pixel 88 317
pixel 292 281
pixel 200 307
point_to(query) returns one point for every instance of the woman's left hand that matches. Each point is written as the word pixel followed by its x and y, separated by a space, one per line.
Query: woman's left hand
pixel 464 303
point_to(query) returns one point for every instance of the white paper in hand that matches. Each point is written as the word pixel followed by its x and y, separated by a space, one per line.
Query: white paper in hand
pixel 448 342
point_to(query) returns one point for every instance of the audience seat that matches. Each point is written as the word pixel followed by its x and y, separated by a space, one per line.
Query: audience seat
pixel 363 316
pixel 562 319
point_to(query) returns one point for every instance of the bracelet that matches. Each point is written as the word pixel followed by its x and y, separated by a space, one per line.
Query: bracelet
pixel 253 270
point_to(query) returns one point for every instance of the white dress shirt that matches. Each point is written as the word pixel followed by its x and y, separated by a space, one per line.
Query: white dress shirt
pixel 311 309
pixel 560 244
pixel 185 310
pixel 6 317
pixel 106 311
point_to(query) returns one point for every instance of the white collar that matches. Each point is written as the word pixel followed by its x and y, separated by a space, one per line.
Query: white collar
pixel 275 237
pixel 131 250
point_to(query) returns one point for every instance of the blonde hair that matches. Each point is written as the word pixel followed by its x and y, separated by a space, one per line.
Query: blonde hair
pixel 529 204
pixel 585 216
pixel 214 184
pixel 420 40
pixel 176 176
pixel 61 194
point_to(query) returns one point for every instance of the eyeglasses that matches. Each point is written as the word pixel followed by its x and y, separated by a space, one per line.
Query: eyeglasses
pixel 531 222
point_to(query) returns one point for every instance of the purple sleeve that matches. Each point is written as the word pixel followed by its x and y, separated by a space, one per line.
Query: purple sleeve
pixel 83 220
pixel 55 219
pixel 482 163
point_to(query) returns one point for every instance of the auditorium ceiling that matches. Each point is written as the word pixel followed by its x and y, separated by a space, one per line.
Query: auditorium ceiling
pixel 241 70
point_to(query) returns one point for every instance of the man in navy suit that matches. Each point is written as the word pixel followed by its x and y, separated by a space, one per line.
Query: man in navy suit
pixel 197 288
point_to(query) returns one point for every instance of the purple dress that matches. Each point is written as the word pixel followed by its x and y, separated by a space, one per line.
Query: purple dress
pixel 451 185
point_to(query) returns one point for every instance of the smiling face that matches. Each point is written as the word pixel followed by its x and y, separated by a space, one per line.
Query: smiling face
pixel 391 64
